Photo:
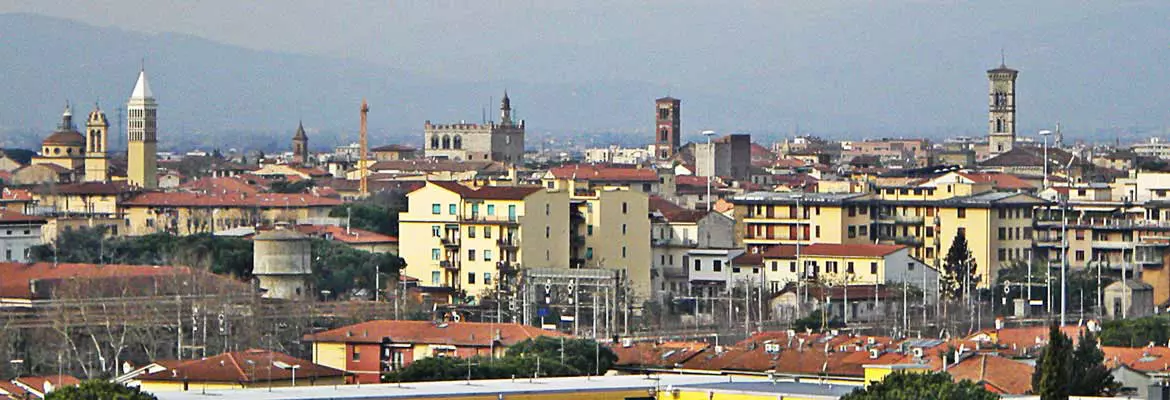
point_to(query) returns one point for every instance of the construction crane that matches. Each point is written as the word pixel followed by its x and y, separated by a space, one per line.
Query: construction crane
pixel 363 189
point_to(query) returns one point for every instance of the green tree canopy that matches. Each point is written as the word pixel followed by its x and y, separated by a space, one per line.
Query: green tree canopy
pixel 1065 371
pixel 1054 369
pixel 580 354
pixel 914 386
pixel 1135 332
pixel 99 389
pixel 959 269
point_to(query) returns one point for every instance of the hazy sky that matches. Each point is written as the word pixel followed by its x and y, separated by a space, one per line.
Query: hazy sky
pixel 883 63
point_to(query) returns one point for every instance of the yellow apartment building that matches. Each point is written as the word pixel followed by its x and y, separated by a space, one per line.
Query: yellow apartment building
pixel 997 225
pixel 184 213
pixel 465 238
pixel 610 228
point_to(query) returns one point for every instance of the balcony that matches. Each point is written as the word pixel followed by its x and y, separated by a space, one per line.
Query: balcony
pixel 508 242
pixel 577 240
pixel 675 242
pixel 577 263
pixel 507 267
pixel 1044 240
pixel 449 265
pixel 900 219
pixel 450 241
pixel 908 240
pixel 490 219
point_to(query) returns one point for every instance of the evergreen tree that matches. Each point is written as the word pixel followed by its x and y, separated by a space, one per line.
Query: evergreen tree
pixel 1051 379
pixel 959 268
pixel 1089 376
pixel 98 389
pixel 932 385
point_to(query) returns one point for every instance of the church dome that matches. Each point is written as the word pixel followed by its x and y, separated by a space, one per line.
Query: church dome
pixel 65 138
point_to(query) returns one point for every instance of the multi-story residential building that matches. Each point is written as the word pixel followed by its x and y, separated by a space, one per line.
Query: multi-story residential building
pixel 457 237
pixel 847 265
pixel 996 225
pixel 186 213
pixel 18 233
pixel 491 141
pixel 585 178
pixel 1155 147
pixel 619 155
pixel 610 228
pixel 674 231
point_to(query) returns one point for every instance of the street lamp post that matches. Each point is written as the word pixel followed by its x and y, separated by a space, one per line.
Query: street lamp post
pixel 710 165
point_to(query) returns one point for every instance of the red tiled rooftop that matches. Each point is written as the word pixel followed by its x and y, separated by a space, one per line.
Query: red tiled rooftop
pixel 604 173
pixel 223 185
pixel 455 333
pixel 237 199
pixel 1002 375
pixel 489 192
pixel 833 250
pixel 18 275
pixel 253 365
pixel 344 235
pixel 12 216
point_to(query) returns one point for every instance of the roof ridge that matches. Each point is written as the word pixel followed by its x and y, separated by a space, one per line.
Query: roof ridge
pixel 232 357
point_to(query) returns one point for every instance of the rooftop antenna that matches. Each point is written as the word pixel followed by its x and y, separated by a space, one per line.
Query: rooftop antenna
pixel 1002 58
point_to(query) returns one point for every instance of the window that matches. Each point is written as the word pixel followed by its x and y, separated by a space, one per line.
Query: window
pixel 1081 234
pixel 470 254
pixel 487 232
pixel 818 231
pixel 487 255
pixel 735 270
pixel 547 232
pixel 717 265
pixel 873 268
pixel 1080 255
pixel 909 266
pixel 849 267
pixel 436 208
pixel 8 255
pixel 625 208
pixel 546 209
pixel 698 264
pixel 589 253
pixel 357 353
pixel 1002 233
pixel 962 212
pixel 1001 255
pixel 623 251
pixel 852 231
pixel 930 231
pixel 589 230
pixel 435 254
pixel 852 211
pixel 435 230
pixel 491 209
pixel 646 187
pixel 963 232
pixel 775 266
pixel 471 232
pixel 930 252
pixel 470 278
pixel 487 277
pixel 475 210
pixel 831 266
pixel 1002 213
pixel 863 230
pixel 451 209
pixel 623 229
pixel 792 266
pixel 435 278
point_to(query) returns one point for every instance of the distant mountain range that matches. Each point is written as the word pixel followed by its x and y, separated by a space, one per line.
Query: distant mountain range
pixel 214 95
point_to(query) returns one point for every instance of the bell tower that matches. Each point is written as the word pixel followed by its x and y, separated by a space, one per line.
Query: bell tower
pixel 300 144
pixel 96 163
pixel 141 136
pixel 1002 110
pixel 666 127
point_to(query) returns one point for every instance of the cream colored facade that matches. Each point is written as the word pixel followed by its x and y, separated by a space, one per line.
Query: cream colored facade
pixel 997 225
pixel 142 136
pixel 462 238
pixel 145 219
pixel 611 229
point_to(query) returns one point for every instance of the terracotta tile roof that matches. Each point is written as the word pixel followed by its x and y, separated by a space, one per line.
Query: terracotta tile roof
pixel 653 354
pixel 1146 359
pixel 393 147
pixel 747 259
pixel 673 212
pixel 1002 375
pixel 347 185
pixel 833 249
pixel 36 384
pixel 68 138
pixel 999 180
pixel 489 192
pixel 7 216
pixel 12 391
pixel 456 333
pixel 19 277
pixel 1022 339
pixel 431 165
pixel 91 188
pixel 224 185
pixel 604 173
pixel 340 234
pixel 691 180
pixel 238 199
pixel 253 365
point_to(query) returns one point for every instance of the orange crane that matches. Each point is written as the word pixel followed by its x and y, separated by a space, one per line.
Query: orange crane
pixel 364 188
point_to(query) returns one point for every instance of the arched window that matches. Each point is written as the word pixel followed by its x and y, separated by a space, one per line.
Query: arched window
pixel 446 142
pixel 664 134
pixel 458 142
pixel 999 125
pixel 434 142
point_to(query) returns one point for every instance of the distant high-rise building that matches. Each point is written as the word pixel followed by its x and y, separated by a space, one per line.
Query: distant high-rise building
pixel 141 136
pixel 491 141
pixel 666 127
pixel 300 144
pixel 1002 110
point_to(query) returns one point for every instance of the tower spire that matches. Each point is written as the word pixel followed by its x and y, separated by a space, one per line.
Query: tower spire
pixel 1002 58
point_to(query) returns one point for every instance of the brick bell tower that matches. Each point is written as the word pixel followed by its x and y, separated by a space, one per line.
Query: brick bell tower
pixel 666 127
